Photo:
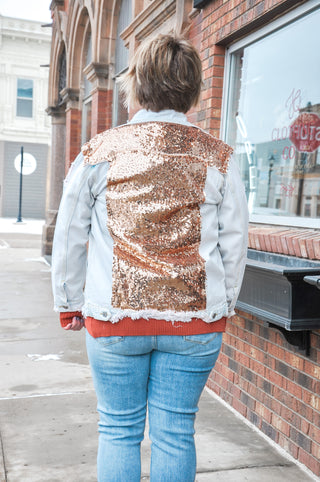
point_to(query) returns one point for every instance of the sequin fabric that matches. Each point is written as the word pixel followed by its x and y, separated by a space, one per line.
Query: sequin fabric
pixel 155 186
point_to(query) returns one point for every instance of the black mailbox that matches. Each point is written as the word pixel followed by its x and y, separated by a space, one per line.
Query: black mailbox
pixel 275 291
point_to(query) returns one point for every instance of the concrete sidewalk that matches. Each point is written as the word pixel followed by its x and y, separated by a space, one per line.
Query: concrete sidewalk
pixel 48 420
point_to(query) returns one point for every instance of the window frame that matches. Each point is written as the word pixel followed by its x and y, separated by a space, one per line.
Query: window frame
pixel 278 24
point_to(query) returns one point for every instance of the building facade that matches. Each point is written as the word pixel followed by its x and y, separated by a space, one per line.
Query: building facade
pixel 260 94
pixel 24 47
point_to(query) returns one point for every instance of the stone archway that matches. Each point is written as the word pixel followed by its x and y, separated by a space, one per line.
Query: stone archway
pixel 56 110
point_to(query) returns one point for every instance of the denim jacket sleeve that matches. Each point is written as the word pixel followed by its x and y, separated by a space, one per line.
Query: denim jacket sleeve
pixel 233 233
pixel 69 254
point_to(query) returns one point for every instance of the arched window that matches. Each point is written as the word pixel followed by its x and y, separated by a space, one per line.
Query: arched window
pixel 86 87
pixel 62 82
pixel 120 112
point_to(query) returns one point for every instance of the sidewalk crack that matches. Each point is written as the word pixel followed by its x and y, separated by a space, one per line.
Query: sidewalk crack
pixel 243 467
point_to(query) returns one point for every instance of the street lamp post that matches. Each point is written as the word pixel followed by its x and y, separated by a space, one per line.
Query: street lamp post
pixel 19 218
pixel 271 164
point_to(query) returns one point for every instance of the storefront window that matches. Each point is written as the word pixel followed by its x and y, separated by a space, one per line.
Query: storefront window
pixel 86 93
pixel 120 112
pixel 273 119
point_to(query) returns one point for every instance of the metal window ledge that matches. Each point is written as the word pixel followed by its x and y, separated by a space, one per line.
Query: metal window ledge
pixel 282 291
pixel 313 280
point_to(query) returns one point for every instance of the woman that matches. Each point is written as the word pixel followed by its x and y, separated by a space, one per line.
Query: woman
pixel 163 207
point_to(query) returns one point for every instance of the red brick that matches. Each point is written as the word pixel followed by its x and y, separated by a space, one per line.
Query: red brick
pixel 243 359
pixel 73 135
pixel 239 406
pixel 305 427
pixel 280 425
pixel 309 247
pixel 218 60
pixel 235 391
pixel 264 412
pixel 254 238
pixel 275 406
pixel 243 384
pixel 311 399
pixel 278 243
pixel 101 111
pixel 312 369
pixel 276 351
pixel 293 360
pixel 257 367
pixel 227 373
pixel 303 243
pixel 314 433
pixel 297 244
pixel 315 450
pixel 288 445
pixel 267 241
pixel 275 378
pixel 280 395
pixel 316 248
pixel 294 389
pixel 284 242
pixel 292 418
pixel 309 461
pixel 213 123
pixel 273 241
pixel 258 238
pixel 289 240
pixel 218 50
pixel 212 385
pixel 293 449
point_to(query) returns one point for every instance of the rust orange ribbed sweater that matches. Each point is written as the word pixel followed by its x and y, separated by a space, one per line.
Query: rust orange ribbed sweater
pixel 142 327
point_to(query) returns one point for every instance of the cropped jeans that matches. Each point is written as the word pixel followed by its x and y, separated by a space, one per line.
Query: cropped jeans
pixel 165 373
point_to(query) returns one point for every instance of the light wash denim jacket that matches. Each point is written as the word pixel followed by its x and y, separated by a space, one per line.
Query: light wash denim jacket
pixel 82 281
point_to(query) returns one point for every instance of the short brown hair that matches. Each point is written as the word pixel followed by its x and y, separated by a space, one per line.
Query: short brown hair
pixel 165 73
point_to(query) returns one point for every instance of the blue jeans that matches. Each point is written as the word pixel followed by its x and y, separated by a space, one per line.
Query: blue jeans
pixel 168 372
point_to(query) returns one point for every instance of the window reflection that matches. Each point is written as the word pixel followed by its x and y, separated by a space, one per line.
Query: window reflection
pixel 274 119
pixel 86 91
pixel 120 112
pixel 24 98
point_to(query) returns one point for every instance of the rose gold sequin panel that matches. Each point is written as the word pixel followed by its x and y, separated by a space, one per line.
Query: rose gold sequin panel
pixel 155 186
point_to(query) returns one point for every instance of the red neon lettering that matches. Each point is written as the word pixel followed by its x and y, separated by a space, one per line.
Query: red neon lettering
pixel 296 130
pixel 292 152
pixel 284 153
pixel 312 128
pixel 304 132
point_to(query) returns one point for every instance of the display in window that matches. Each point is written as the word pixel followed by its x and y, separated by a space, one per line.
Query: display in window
pixel 274 119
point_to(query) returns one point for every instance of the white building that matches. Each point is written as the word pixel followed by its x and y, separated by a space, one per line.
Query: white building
pixel 24 54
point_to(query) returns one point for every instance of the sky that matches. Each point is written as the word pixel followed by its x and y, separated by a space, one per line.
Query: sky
pixel 27 10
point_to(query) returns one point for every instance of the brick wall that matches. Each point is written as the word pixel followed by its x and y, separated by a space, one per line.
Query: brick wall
pixel 258 373
pixel 303 243
pixel 101 111
pixel 221 23
pixel 73 135
pixel 271 384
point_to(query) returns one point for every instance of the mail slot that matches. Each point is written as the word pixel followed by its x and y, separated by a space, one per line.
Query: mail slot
pixel 275 291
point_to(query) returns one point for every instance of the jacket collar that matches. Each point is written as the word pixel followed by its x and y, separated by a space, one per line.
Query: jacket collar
pixel 167 115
